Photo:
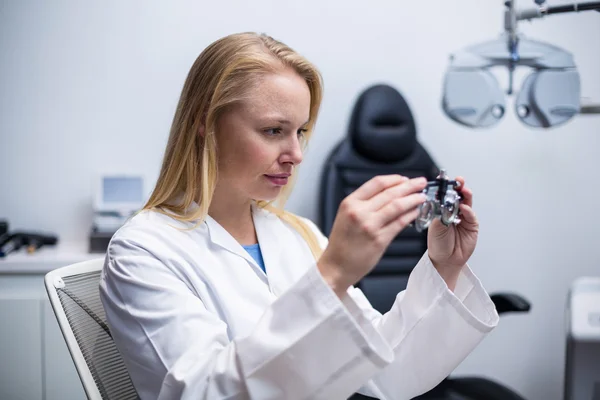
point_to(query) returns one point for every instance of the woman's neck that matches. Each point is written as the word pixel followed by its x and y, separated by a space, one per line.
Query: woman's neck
pixel 235 217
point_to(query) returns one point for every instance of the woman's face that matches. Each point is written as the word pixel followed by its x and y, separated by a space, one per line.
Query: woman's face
pixel 258 141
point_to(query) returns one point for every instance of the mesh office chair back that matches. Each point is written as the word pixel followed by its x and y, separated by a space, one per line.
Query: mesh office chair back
pixel 74 296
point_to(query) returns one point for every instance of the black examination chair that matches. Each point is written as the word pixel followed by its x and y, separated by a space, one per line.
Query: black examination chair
pixel 382 140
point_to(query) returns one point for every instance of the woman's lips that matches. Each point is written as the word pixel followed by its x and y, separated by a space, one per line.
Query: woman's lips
pixel 278 180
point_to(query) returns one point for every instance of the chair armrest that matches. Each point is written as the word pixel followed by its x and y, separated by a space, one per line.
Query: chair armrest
pixel 510 302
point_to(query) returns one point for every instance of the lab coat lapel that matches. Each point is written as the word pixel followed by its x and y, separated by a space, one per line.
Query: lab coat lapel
pixel 269 233
pixel 222 238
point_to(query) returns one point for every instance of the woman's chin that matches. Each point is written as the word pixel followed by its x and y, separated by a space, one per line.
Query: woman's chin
pixel 269 195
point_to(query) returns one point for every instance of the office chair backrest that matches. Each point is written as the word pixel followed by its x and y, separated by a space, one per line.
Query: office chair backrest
pixel 381 140
pixel 73 293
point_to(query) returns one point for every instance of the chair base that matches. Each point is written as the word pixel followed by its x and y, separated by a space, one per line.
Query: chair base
pixel 463 389
pixel 469 388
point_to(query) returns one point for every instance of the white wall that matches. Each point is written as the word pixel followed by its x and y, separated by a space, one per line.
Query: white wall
pixel 92 87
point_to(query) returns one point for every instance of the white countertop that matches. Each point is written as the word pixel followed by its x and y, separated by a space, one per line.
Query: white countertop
pixel 46 258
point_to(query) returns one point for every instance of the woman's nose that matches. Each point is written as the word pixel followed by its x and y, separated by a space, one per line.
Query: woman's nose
pixel 293 152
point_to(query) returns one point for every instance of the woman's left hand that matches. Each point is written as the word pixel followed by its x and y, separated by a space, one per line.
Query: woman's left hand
pixel 450 247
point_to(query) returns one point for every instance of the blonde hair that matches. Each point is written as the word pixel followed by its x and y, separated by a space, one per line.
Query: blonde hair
pixel 219 78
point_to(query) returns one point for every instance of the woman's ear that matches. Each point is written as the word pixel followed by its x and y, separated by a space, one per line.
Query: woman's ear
pixel 201 131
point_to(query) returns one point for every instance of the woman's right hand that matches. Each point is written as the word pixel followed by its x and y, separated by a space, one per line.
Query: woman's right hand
pixel 366 223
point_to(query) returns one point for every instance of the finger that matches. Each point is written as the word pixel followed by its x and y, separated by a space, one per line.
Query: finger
pixel 467 196
pixel 468 218
pixel 466 193
pixel 394 209
pixel 395 226
pixel 401 190
pixel 375 185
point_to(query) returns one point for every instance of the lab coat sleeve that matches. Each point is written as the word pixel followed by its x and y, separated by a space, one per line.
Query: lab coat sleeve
pixel 306 345
pixel 430 328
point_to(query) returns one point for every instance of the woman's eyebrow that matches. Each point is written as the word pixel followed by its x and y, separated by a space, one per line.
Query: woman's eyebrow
pixel 287 122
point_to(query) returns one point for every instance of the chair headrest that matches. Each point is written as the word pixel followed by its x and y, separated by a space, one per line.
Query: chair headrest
pixel 382 127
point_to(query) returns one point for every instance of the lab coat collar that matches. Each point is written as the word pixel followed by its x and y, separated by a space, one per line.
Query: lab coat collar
pixel 217 234
pixel 267 238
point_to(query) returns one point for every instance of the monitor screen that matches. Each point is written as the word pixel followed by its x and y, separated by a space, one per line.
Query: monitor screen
pixel 118 189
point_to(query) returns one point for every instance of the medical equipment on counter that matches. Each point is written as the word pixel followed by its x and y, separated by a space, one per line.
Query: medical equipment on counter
pixel 117 197
pixel 549 96
pixel 10 243
pixel 3 227
pixel 582 370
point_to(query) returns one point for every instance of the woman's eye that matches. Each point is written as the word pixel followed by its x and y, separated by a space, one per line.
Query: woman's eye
pixel 279 131
pixel 273 131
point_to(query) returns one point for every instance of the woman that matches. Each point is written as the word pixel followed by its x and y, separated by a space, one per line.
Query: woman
pixel 213 292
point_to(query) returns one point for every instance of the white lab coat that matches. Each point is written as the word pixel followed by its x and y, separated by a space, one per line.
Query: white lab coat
pixel 196 318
